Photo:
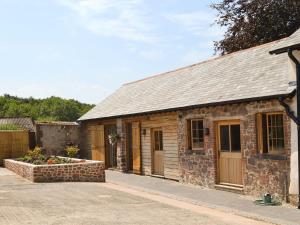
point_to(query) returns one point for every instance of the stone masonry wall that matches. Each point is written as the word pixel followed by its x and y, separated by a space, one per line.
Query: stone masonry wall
pixel 121 146
pixel 261 172
pixel 22 169
pixel 88 171
pixel 54 137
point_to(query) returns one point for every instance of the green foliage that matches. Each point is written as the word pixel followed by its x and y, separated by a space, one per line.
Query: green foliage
pixel 36 157
pixel 25 158
pixel 72 151
pixel 9 127
pixel 113 138
pixel 49 109
pixel 38 162
pixel 35 153
pixel 253 22
pixel 56 160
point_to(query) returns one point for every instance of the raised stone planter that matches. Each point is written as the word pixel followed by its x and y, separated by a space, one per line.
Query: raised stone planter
pixel 88 171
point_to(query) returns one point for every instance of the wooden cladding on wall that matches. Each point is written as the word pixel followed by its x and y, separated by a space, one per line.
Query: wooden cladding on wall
pixel 169 125
pixel 13 144
pixel 136 147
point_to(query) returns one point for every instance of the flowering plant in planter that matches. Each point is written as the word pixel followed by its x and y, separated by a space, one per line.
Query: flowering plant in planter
pixel 72 151
pixel 36 157
pixel 113 138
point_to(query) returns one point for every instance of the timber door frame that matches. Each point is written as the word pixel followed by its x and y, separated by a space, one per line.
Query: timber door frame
pixel 218 142
pixel 152 152
pixel 136 147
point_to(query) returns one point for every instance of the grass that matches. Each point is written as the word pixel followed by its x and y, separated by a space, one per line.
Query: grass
pixel 9 127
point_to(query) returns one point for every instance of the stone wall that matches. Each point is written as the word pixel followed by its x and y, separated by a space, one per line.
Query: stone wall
pixel 121 146
pixel 20 168
pixel 55 136
pixel 261 172
pixel 88 171
pixel 197 167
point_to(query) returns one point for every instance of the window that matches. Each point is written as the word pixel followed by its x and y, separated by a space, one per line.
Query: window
pixel 158 140
pixel 270 132
pixel 230 137
pixel 195 134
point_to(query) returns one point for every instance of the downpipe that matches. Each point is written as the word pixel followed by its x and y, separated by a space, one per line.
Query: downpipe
pixel 297 63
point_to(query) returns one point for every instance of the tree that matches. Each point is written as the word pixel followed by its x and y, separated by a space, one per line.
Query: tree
pixel 49 109
pixel 254 22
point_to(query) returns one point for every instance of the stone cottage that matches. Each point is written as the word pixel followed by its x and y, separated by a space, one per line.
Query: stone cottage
pixel 219 123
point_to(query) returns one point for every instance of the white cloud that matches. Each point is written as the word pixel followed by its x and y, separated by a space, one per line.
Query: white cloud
pixel 113 18
pixel 198 23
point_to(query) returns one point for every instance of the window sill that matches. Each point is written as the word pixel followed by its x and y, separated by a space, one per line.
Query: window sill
pixel 271 156
pixel 195 152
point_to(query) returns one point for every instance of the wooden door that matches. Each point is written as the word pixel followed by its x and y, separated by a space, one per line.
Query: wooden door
pixel 136 147
pixel 129 155
pixel 230 154
pixel 98 143
pixel 158 152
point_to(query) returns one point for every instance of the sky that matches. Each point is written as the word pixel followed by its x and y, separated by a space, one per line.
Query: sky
pixel 86 49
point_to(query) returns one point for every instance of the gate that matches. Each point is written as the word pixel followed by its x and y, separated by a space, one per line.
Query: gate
pixel 13 144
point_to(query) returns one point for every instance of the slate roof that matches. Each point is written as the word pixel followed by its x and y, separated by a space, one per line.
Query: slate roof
pixel 25 123
pixel 284 44
pixel 247 74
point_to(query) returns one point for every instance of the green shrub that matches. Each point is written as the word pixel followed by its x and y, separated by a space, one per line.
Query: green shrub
pixel 36 153
pixel 72 151
pixel 65 160
pixel 27 158
pixel 57 161
pixel 34 156
pixel 38 162
pixel 37 157
pixel 41 157
pixel 9 127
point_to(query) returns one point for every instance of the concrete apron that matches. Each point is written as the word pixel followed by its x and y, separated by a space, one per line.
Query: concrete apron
pixel 227 218
pixel 226 202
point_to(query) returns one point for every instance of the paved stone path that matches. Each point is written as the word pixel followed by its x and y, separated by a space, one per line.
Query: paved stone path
pixel 225 201
pixel 23 202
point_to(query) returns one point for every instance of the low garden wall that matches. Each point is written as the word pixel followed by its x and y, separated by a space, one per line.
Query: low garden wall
pixel 88 171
